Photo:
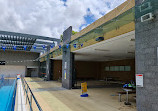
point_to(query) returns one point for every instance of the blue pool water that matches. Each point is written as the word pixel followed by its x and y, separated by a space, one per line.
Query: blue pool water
pixel 6 94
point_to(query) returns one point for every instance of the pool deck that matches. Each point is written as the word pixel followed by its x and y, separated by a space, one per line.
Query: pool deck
pixel 52 97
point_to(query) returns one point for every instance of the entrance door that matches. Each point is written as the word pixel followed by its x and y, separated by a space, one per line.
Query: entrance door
pixel 32 72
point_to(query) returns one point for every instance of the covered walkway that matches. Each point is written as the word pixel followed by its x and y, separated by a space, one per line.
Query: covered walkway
pixel 52 97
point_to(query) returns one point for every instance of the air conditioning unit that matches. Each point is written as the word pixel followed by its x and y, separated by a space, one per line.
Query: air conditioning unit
pixel 147 17
pixel 145 6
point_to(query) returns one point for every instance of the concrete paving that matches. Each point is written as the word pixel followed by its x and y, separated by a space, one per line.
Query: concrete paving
pixel 52 97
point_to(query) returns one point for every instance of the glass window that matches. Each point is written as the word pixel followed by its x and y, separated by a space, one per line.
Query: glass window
pixel 116 68
pixel 127 68
pixel 107 68
pixel 112 68
pixel 122 68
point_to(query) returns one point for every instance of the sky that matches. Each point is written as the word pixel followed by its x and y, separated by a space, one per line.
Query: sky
pixel 51 17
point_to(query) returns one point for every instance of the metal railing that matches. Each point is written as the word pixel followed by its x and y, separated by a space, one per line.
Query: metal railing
pixel 30 97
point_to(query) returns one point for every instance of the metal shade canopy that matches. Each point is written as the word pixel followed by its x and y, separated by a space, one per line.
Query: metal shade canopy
pixel 25 42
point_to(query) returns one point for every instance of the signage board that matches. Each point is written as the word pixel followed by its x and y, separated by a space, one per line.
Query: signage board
pixel 139 80
pixel 84 88
pixel 2 62
pixel 64 74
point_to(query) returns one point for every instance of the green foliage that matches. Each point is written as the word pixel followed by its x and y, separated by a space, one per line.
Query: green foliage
pixel 61 38
pixel 73 33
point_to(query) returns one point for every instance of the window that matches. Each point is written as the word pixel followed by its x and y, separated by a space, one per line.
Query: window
pixel 122 68
pixel 112 68
pixel 107 68
pixel 118 68
pixel 127 68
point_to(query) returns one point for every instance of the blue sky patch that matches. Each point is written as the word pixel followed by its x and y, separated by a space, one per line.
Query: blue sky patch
pixel 89 20
pixel 64 2
pixel 108 4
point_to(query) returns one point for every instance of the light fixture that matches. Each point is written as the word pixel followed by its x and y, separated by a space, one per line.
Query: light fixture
pixel 147 17
pixel 131 52
pixel 129 57
pixel 102 50
pixel 82 54
pixel 108 56
pixel 131 45
pixel 100 39
pixel 133 40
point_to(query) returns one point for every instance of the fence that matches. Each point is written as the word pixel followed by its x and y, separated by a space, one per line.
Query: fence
pixel 30 98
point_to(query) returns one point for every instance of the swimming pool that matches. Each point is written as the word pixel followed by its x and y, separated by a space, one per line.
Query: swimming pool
pixel 7 94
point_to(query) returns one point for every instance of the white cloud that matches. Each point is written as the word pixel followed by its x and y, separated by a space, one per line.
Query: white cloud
pixel 84 26
pixel 50 17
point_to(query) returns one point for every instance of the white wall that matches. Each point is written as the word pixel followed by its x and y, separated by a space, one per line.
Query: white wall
pixel 12 57
pixel 12 70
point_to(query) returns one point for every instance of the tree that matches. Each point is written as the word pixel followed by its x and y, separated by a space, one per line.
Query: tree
pixel 61 36
pixel 73 32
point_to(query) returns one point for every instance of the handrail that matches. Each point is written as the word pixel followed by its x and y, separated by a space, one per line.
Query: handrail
pixel 32 96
